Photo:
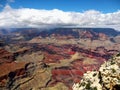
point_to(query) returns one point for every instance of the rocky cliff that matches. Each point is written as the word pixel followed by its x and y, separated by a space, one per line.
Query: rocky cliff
pixel 106 78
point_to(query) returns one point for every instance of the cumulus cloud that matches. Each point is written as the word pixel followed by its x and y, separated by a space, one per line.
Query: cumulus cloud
pixel 27 17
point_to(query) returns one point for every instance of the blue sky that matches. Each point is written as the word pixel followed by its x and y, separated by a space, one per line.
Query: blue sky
pixel 105 6
pixel 59 13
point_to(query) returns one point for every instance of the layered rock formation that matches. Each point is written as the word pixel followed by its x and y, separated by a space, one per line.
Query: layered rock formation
pixel 54 59
pixel 5 56
pixel 9 68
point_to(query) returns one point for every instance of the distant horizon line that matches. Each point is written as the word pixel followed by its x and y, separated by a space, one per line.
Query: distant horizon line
pixel 61 27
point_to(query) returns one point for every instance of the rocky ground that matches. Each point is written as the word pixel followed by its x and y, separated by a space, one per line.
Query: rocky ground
pixel 106 78
pixel 52 60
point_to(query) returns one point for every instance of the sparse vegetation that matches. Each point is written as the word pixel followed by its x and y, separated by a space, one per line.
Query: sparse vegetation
pixel 107 78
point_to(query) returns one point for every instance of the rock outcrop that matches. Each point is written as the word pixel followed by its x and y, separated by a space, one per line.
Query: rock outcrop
pixel 9 68
pixel 5 56
pixel 107 78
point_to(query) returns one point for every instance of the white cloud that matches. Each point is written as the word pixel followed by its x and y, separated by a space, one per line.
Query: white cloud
pixel 26 17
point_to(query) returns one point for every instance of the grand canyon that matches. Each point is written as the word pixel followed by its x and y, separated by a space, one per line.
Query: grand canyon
pixel 53 59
